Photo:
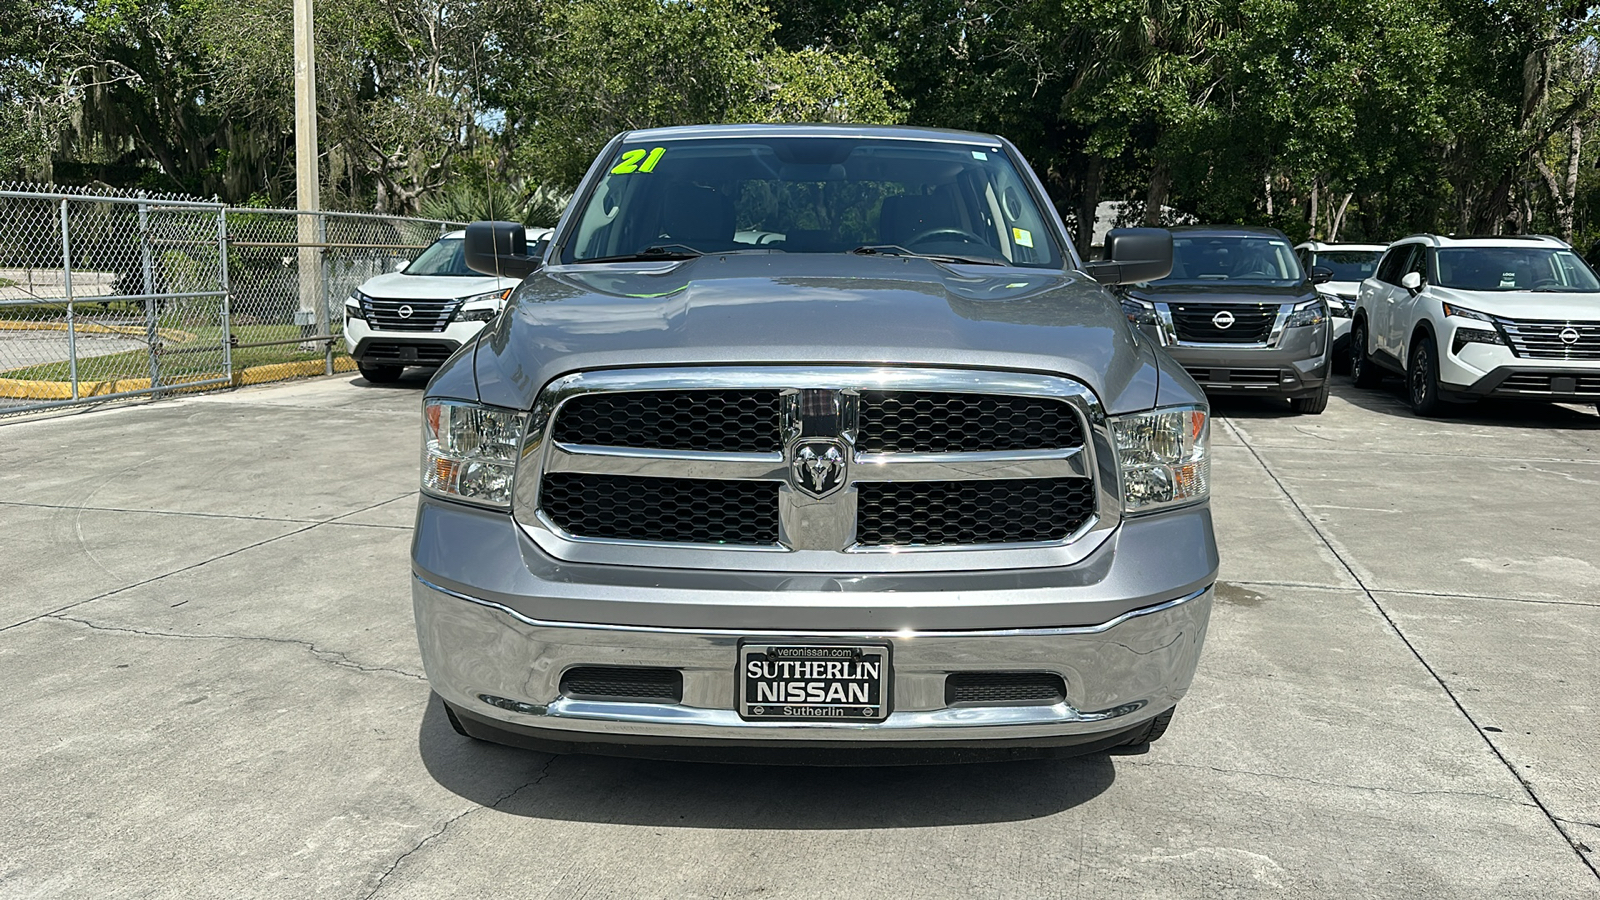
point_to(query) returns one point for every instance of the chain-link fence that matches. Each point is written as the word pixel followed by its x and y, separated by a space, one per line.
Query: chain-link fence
pixel 107 295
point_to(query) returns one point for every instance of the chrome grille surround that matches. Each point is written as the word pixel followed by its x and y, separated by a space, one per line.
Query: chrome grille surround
pixel 818 534
pixel 1541 338
pixel 1265 334
pixel 409 315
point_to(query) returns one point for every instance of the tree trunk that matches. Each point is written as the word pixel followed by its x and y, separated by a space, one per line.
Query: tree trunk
pixel 1156 197
pixel 1336 219
pixel 1094 172
pixel 1312 215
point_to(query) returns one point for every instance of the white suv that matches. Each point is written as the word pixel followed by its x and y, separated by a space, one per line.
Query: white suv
pixel 420 315
pixel 1350 264
pixel 1473 317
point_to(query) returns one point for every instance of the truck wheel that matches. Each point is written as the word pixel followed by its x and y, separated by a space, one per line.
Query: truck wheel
pixel 1153 730
pixel 1422 379
pixel 1362 371
pixel 1310 406
pixel 380 374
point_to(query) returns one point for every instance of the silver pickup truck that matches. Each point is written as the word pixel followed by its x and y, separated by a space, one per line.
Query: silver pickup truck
pixel 815 443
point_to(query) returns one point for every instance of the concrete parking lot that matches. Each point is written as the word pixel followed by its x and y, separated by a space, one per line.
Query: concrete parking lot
pixel 212 688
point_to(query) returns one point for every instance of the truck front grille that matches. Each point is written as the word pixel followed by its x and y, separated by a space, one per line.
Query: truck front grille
pixel 725 421
pixel 945 513
pixel 409 315
pixel 1197 322
pixel 835 468
pixel 930 422
pixel 673 510
pixel 1549 339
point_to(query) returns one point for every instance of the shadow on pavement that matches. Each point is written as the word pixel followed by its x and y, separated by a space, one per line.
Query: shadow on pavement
pixel 1390 399
pixel 411 380
pixel 704 795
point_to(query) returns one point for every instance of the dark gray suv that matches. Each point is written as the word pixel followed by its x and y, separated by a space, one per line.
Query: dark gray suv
pixel 815 440
pixel 1240 314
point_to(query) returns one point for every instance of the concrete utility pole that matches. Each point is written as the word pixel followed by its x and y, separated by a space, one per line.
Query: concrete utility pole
pixel 313 314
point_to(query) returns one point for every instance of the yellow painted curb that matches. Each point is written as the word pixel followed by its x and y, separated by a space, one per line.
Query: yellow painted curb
pixel 168 334
pixel 17 389
pixel 280 371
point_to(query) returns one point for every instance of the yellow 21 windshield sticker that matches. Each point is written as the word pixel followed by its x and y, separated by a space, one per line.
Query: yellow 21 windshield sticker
pixel 639 161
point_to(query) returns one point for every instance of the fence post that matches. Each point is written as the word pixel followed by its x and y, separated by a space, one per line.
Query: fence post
pixel 151 306
pixel 323 319
pixel 227 291
pixel 66 282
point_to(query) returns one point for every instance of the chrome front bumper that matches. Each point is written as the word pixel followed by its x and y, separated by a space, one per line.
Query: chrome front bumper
pixel 500 666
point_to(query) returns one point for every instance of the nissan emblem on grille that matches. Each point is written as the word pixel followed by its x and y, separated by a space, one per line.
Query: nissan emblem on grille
pixel 405 312
pixel 1569 335
pixel 1223 319
pixel 817 467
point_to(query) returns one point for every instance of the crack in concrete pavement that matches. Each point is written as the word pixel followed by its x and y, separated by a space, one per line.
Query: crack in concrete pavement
pixel 1461 708
pixel 544 772
pixel 205 562
pixel 336 520
pixel 1300 779
pixel 1407 592
pixel 332 657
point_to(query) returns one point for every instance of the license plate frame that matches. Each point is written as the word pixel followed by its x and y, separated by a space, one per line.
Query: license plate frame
pixel 842 705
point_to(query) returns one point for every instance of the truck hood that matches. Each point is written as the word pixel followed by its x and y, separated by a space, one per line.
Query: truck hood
pixel 1222 292
pixel 777 308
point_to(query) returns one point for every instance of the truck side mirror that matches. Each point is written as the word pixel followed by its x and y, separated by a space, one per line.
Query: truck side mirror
pixel 1134 255
pixel 499 248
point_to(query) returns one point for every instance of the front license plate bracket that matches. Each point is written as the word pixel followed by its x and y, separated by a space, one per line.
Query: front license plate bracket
pixel 814 682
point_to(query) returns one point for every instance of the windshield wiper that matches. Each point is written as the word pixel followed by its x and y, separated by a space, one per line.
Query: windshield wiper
pixel 897 250
pixel 655 251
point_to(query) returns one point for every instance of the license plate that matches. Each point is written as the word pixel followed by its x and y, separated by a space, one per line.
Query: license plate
pixel 814 682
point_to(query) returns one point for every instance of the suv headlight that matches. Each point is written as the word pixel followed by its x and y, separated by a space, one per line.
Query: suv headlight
pixel 1164 458
pixel 353 308
pixel 1338 307
pixel 1450 309
pixel 483 315
pixel 469 451
pixel 1139 312
pixel 1310 312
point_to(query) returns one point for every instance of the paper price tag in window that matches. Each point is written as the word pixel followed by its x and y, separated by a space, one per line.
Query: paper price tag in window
pixel 1022 236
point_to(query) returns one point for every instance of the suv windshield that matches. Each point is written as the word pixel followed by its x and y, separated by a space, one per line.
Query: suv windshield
pixel 1515 269
pixel 1348 265
pixel 819 194
pixel 1204 257
pixel 443 257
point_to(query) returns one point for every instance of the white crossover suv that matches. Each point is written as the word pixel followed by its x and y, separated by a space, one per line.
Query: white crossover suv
pixel 1472 317
pixel 1350 264
pixel 420 314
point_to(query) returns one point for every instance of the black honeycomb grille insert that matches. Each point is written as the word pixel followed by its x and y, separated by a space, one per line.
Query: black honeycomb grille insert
pixel 622 683
pixel 938 513
pixel 725 421
pixel 676 510
pixel 931 422
pixel 1004 688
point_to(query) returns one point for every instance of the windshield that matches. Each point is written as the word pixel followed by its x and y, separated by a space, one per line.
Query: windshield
pixel 813 195
pixel 1348 265
pixel 1515 269
pixel 1263 260
pixel 443 257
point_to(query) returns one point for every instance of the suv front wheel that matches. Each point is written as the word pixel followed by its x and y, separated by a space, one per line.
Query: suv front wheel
pixel 1362 371
pixel 1422 378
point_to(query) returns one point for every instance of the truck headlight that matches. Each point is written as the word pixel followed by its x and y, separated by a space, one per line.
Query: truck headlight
pixel 469 451
pixel 1164 458
pixel 1310 312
